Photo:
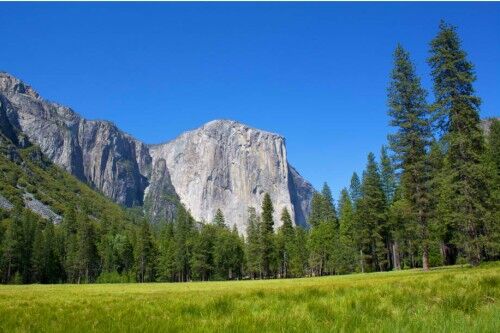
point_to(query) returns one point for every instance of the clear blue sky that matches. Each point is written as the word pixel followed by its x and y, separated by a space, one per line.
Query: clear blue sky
pixel 316 73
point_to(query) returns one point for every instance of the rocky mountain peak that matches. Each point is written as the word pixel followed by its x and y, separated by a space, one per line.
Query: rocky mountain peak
pixel 13 85
pixel 230 166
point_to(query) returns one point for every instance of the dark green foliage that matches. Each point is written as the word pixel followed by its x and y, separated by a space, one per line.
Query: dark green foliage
pixel 434 200
pixel 253 245
pixel 322 236
pixel 219 219
pixel 371 217
pixel 410 115
pixel 387 175
pixel 355 188
pixel 456 111
pixel 346 252
pixel 266 235
pixel 322 207
pixel 491 161
pixel 286 245
pixel 145 254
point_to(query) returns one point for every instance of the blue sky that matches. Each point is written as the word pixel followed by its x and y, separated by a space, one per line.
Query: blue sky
pixel 316 73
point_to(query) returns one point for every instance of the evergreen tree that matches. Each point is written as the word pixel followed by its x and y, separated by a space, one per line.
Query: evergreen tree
pixel 219 219
pixel 402 228
pixel 371 217
pixel 456 110
pixel 167 258
pixel 299 261
pixel 442 225
pixel 387 175
pixel 347 254
pixel 409 114
pixel 145 254
pixel 316 213
pixel 86 255
pixel 491 162
pixel 321 244
pixel 355 189
pixel 286 244
pixel 267 233
pixel 184 232
pixel 202 260
pixel 253 247
pixel 329 213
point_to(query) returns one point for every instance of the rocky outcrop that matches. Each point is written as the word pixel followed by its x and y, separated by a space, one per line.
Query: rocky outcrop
pixel 227 165
pixel 5 204
pixel 223 164
pixel 96 152
pixel 40 208
pixel 161 199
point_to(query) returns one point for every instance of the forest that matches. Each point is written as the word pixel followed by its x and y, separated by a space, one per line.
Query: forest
pixel 430 198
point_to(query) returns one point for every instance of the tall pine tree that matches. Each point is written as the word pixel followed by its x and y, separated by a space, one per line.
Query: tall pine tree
pixel 409 114
pixel 456 110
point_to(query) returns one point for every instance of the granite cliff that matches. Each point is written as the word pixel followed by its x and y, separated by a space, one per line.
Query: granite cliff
pixel 223 164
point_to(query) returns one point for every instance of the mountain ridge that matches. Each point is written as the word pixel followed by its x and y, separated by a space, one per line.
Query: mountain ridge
pixel 124 168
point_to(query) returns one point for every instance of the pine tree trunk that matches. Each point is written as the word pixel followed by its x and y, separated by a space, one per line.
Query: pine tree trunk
pixel 362 261
pixel 395 255
pixel 425 257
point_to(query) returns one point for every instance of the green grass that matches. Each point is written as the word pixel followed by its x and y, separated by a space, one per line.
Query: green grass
pixel 454 299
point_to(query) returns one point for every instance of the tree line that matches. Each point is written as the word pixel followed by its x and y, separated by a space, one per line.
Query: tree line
pixel 430 198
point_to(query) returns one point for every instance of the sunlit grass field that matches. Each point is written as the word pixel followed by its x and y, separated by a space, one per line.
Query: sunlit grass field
pixel 455 299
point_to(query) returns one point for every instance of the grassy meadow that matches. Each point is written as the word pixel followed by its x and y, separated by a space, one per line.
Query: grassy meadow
pixel 452 299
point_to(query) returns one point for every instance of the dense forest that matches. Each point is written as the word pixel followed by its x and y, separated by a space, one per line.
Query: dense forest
pixel 429 198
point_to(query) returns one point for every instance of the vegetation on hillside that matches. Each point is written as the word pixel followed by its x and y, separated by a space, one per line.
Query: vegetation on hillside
pixel 431 200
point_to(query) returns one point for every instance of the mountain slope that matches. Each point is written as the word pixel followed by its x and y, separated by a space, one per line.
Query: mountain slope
pixel 96 152
pixel 28 179
pixel 223 164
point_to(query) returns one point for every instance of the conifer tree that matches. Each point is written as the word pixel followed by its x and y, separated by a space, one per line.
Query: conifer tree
pixel 355 189
pixel 347 254
pixel 86 255
pixel 286 243
pixel 491 162
pixel 328 211
pixel 145 254
pixel 253 247
pixel 317 210
pixel 409 114
pixel 267 233
pixel 219 219
pixel 387 175
pixel 456 110
pixel 371 217
pixel 202 259
pixel 167 259
pixel 184 230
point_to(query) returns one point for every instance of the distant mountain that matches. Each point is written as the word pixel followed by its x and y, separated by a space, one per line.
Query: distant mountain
pixel 223 164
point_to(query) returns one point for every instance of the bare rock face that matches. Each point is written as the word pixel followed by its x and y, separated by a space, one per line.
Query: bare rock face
pixel 96 152
pixel 227 165
pixel 160 199
pixel 223 164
